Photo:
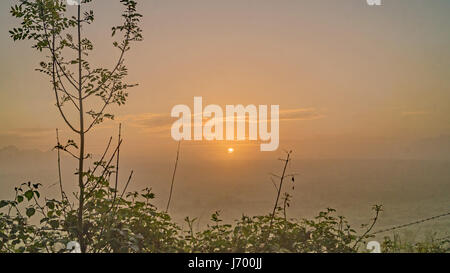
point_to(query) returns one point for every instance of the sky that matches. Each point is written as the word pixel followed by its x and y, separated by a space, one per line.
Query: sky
pixel 351 80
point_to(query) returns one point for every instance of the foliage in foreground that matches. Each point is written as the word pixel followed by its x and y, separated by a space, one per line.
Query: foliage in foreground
pixel 129 223
pixel 429 245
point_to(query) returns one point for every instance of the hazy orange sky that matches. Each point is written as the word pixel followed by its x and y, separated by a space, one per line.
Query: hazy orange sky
pixel 351 80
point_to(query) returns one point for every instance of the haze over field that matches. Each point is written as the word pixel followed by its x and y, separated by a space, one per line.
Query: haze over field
pixel 409 189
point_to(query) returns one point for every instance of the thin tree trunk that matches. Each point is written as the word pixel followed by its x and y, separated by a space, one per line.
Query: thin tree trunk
pixel 82 141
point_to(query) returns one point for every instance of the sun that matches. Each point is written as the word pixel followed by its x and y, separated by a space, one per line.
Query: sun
pixel 230 150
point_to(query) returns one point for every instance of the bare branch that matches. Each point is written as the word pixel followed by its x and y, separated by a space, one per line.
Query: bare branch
pixel 280 187
pixel 117 166
pixel 103 156
pixel 57 96
pixel 173 177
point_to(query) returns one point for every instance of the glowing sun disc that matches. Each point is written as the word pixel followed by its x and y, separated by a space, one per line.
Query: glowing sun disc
pixel 230 150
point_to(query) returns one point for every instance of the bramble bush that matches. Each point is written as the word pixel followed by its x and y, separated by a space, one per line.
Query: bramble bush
pixel 129 223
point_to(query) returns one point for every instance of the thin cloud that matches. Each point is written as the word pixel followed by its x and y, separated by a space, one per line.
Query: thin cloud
pixel 28 132
pixel 301 114
pixel 414 113
pixel 156 122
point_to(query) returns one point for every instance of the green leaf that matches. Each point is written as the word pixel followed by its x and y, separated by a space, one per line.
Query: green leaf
pixel 51 205
pixel 20 199
pixel 54 224
pixel 29 195
pixel 3 203
pixel 30 212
